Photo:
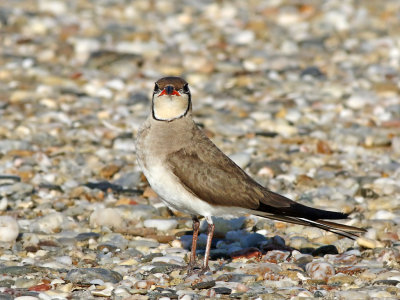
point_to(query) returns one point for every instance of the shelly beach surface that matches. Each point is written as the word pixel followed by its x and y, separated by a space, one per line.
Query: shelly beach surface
pixel 304 95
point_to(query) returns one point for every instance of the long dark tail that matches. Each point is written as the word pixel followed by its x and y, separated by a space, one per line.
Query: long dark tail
pixel 296 213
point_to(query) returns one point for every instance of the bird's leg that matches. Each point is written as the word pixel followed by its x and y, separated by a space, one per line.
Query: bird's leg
pixel 192 261
pixel 210 235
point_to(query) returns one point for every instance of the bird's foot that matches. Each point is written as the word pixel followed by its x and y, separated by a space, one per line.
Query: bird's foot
pixel 192 268
pixel 196 270
pixel 204 270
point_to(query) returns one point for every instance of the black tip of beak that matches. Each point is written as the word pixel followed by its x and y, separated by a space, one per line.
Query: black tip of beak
pixel 169 89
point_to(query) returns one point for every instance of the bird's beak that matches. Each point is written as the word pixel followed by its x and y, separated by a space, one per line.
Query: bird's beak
pixel 169 90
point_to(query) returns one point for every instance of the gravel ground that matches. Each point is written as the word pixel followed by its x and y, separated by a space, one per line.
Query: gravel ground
pixel 304 95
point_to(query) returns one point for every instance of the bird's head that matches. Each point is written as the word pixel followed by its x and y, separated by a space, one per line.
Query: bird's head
pixel 171 99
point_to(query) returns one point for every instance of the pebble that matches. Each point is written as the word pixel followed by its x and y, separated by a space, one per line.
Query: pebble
pixel 223 226
pixel 252 240
pixel 87 275
pixel 9 229
pixel 327 249
pixel 203 285
pixel 106 217
pixel 50 223
pixel 368 243
pixel 161 224
pixel 320 270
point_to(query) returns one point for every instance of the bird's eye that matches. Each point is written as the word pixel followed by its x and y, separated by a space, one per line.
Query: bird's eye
pixel 156 88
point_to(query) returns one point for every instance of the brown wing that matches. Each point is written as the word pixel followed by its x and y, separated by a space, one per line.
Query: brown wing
pixel 210 175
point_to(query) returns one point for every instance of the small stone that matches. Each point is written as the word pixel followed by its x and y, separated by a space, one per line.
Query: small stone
pixel 86 275
pixel 368 243
pixel 107 292
pixel 243 37
pixel 169 259
pixel 19 270
pixel 109 171
pixel 26 282
pixel 387 282
pixel 320 270
pixel 384 215
pixel 50 223
pixel 143 284
pixel 203 285
pixel 130 179
pixel 223 290
pixel 137 212
pixel 222 225
pixel 350 294
pixel 340 279
pixel 276 256
pixel 110 217
pixel 86 236
pixel 252 240
pixel 161 224
pixel 165 268
pixel 299 242
pixel 327 249
pixel 9 229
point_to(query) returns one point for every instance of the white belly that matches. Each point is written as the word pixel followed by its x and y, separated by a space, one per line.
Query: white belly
pixel 176 196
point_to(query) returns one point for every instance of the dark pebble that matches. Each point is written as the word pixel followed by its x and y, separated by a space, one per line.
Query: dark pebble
pixel 218 254
pixel 203 285
pixel 86 236
pixel 149 257
pixel 386 282
pixel 104 186
pixel 267 133
pixel 307 250
pixel 368 193
pixel 237 295
pixel 10 177
pixel 327 249
pixel 49 186
pixel 105 248
pixel 318 294
pixel 312 71
pixel 223 290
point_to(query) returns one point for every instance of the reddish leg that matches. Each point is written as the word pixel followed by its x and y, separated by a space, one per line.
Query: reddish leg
pixel 210 235
pixel 192 261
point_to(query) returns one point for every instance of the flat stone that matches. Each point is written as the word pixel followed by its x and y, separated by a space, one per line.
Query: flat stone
pixel 86 236
pixel 203 285
pixel 223 290
pixel 86 275
pixel 20 270
pixel 161 224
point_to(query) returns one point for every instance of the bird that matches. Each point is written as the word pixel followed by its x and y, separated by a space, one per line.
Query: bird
pixel 191 174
